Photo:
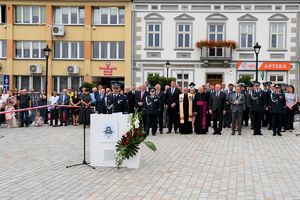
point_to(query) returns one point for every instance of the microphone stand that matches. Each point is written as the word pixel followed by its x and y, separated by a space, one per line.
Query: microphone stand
pixel 84 160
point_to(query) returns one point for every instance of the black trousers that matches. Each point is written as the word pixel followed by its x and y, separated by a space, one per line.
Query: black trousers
pixel 267 120
pixel 173 119
pixel 24 115
pixel 276 123
pixel 246 115
pixel 151 123
pixel 289 119
pixel 227 118
pixel 54 116
pixel 256 118
pixel 64 111
pixel 217 116
pixel 161 120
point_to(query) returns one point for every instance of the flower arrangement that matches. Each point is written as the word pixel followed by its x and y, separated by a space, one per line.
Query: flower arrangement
pixel 220 43
pixel 128 146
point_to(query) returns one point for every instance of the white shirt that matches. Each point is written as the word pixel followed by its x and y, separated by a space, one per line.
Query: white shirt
pixel 54 100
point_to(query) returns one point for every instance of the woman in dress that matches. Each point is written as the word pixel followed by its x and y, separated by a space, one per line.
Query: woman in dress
pixel 291 99
pixel 85 111
pixel 75 111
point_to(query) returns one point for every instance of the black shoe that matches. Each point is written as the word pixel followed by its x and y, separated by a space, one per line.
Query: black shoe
pixel 154 134
pixel 61 125
pixel 50 124
pixel 279 134
pixel 270 128
pixel 233 133
pixel 66 124
pixel 215 133
pixel 161 132
pixel 252 128
pixel 274 134
pixel 168 132
pixel 219 133
pixel 55 126
pixel 260 134
pixel 283 130
pixel 240 133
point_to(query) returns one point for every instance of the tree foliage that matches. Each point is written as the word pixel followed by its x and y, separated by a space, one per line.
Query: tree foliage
pixel 156 79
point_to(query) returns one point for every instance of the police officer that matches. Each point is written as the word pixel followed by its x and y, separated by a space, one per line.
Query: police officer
pixel 116 102
pixel 257 104
pixel 277 103
pixel 152 109
pixel 267 115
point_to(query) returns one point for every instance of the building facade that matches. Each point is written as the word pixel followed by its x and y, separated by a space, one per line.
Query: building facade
pixel 90 41
pixel 170 30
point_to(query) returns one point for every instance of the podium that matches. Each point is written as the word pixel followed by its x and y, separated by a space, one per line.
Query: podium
pixel 105 132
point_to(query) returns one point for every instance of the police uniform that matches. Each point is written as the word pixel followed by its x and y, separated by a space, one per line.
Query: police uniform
pixel 257 109
pixel 152 109
pixel 266 121
pixel 116 103
pixel 276 105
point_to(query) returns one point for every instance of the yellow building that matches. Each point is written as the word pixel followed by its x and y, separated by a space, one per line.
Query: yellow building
pixel 90 41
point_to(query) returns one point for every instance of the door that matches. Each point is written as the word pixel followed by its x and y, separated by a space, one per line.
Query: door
pixel 214 79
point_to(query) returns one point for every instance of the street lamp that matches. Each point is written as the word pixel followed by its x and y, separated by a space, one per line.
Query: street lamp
pixel 168 66
pixel 256 50
pixel 46 51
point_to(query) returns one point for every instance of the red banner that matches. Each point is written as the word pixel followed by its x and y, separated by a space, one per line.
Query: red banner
pixel 265 66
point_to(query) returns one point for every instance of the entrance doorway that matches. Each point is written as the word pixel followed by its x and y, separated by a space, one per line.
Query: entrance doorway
pixel 214 79
pixel 107 82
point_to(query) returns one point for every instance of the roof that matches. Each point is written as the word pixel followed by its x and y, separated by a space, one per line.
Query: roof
pixel 221 1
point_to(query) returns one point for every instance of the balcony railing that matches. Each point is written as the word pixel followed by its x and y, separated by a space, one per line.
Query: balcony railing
pixel 216 54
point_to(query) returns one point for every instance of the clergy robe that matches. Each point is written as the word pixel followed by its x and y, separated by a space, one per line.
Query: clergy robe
pixel 186 113
pixel 200 106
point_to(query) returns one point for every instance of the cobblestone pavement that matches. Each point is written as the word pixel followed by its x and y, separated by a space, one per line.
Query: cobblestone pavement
pixel 33 160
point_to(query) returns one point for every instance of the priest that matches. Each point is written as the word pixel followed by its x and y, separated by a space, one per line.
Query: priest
pixel 186 112
pixel 200 110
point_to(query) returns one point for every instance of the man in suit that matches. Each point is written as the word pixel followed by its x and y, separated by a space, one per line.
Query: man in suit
pixel 64 99
pixel 131 99
pixel 162 97
pixel 100 101
pixel 172 104
pixel 227 116
pixel 217 103
pixel 237 101
pixel 140 101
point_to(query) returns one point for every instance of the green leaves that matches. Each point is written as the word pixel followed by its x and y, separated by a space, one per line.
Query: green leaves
pixel 150 145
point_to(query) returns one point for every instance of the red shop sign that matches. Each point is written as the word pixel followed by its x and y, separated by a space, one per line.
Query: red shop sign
pixel 107 70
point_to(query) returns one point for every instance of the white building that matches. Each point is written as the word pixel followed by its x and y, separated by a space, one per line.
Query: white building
pixel 167 30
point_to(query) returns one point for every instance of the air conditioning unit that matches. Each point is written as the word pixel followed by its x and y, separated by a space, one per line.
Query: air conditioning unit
pixel 35 69
pixel 73 69
pixel 58 30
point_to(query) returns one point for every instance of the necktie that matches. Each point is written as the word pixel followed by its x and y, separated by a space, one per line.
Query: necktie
pixel 237 95
pixel 217 94
pixel 63 99
pixel 142 94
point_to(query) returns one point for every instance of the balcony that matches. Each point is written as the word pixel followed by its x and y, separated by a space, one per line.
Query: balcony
pixel 217 52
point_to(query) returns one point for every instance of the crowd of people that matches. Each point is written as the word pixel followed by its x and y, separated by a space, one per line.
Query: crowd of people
pixel 185 110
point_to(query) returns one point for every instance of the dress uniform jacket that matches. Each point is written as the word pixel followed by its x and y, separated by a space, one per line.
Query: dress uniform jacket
pixel 116 103
pixel 277 103
pixel 257 101
pixel 152 105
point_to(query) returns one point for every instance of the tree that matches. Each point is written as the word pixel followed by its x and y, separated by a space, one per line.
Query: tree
pixel 245 79
pixel 87 85
pixel 156 79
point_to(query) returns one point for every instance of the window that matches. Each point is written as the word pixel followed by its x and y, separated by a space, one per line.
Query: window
pixel 153 35
pixel 2 14
pixel 67 82
pixel 183 80
pixel 276 78
pixel 108 50
pixel 29 49
pixel 30 15
pixel 68 50
pixel 247 35
pixel 216 33
pixel 277 36
pixel 69 15
pixel 108 15
pixel 3 48
pixel 249 75
pixel 184 33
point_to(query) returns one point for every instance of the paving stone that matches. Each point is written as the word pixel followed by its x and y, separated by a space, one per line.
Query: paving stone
pixel 33 160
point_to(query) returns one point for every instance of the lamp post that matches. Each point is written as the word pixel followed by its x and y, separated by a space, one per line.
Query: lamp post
pixel 46 51
pixel 256 50
pixel 168 66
